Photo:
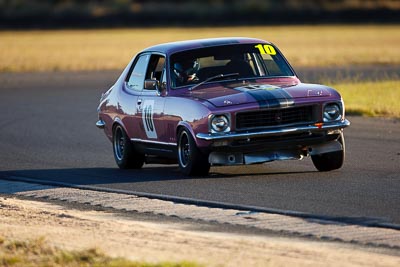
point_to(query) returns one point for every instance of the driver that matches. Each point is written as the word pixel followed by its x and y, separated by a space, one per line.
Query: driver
pixel 186 72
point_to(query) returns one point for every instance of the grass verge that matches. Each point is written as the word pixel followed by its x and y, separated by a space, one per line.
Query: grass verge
pixel 38 253
pixel 377 99
pixel 77 50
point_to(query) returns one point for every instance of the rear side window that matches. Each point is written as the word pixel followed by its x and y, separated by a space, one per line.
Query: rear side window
pixel 137 75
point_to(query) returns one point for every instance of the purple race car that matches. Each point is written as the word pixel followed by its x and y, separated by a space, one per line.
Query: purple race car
pixel 223 101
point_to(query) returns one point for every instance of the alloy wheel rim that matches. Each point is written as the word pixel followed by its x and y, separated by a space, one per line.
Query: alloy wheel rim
pixel 119 144
pixel 184 150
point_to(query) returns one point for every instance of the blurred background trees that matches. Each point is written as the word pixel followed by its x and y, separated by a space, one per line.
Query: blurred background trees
pixel 120 13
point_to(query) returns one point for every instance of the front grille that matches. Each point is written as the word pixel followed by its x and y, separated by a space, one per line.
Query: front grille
pixel 274 117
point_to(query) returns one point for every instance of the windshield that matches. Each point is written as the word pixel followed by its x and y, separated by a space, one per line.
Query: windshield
pixel 246 60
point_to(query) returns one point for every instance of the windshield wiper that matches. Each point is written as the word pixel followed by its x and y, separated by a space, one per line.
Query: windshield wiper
pixel 213 78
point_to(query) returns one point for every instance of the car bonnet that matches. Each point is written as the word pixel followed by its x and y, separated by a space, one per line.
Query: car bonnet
pixel 267 95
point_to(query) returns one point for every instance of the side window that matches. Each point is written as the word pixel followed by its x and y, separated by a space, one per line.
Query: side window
pixel 156 67
pixel 136 78
pixel 164 77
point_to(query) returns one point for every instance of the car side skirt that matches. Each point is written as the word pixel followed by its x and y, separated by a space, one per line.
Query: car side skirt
pixel 161 149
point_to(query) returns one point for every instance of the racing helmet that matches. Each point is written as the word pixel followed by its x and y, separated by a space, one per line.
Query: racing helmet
pixel 186 71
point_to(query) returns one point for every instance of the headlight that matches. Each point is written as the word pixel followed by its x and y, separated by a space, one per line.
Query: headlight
pixel 332 112
pixel 219 124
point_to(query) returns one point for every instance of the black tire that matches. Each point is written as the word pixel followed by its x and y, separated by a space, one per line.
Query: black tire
pixel 332 160
pixel 124 153
pixel 191 161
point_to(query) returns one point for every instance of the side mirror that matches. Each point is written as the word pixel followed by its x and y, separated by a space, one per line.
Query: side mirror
pixel 150 84
pixel 162 89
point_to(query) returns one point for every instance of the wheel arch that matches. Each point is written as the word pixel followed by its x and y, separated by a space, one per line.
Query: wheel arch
pixel 191 159
pixel 118 122
pixel 201 144
pixel 187 126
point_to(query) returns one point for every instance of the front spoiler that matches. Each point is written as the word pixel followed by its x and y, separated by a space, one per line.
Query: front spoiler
pixel 276 132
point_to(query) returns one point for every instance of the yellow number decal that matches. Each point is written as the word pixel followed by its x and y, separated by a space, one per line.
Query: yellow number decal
pixel 260 47
pixel 270 50
pixel 266 49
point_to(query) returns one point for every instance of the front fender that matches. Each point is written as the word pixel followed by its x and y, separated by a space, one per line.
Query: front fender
pixel 200 143
pixel 186 125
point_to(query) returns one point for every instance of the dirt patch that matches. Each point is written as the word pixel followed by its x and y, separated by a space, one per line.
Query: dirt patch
pixel 123 236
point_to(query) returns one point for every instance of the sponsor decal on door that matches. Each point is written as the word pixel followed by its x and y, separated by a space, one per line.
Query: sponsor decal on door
pixel 148 120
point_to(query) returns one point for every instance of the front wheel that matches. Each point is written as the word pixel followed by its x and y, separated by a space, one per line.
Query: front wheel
pixel 191 160
pixel 124 153
pixel 332 160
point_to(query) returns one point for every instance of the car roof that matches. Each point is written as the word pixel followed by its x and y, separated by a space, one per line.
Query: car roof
pixel 170 48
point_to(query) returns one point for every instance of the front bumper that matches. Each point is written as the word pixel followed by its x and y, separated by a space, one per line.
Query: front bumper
pixel 314 128
pixel 274 144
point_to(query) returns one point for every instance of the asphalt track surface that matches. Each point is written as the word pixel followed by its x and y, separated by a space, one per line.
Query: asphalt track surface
pixel 47 132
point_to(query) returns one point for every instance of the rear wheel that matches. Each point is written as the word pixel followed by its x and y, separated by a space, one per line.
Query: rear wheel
pixel 124 153
pixel 191 160
pixel 332 160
